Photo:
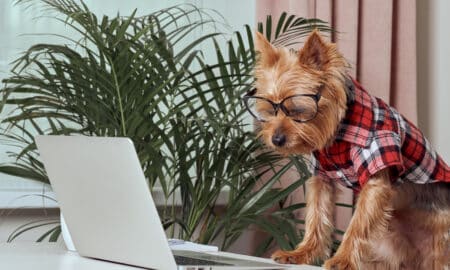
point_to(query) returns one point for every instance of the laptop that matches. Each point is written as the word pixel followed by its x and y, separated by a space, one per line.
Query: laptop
pixel 108 208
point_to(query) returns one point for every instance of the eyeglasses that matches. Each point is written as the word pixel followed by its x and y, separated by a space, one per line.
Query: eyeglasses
pixel 300 108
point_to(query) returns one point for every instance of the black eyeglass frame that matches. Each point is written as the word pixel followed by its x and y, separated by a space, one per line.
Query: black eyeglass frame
pixel 276 106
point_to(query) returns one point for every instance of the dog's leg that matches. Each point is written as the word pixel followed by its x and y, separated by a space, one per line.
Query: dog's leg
pixel 318 225
pixel 370 221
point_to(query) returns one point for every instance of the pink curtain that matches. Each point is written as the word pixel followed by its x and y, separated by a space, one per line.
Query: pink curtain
pixel 378 38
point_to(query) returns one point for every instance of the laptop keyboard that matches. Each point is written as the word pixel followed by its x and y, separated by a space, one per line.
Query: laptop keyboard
pixel 182 260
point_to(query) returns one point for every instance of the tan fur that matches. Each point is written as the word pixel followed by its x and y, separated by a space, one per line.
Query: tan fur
pixel 401 227
pixel 370 221
pixel 280 74
pixel 317 240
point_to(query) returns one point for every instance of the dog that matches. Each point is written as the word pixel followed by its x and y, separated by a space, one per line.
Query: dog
pixel 305 103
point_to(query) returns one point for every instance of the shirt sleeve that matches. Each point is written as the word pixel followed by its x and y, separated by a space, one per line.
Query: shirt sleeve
pixel 384 151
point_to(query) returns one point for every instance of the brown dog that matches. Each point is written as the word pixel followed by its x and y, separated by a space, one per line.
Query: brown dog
pixel 307 104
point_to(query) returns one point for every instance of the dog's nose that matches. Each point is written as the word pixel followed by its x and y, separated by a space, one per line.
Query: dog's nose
pixel 278 139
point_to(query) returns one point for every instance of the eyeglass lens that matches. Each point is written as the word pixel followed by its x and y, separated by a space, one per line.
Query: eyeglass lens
pixel 299 108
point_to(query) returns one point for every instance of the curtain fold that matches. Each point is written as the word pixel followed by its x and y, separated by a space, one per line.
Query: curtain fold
pixel 378 39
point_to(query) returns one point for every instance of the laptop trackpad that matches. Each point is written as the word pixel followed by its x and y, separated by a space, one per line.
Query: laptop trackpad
pixel 219 259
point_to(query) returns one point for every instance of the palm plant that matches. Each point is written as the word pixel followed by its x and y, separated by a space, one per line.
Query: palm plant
pixel 145 78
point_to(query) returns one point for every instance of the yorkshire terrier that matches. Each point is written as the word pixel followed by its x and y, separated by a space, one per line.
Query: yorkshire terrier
pixel 306 103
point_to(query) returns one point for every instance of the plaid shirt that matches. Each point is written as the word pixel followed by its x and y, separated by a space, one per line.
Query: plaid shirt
pixel 373 136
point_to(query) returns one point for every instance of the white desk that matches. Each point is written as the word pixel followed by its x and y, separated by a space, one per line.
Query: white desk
pixel 54 256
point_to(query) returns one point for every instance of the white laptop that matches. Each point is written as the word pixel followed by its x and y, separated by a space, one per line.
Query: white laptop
pixel 108 208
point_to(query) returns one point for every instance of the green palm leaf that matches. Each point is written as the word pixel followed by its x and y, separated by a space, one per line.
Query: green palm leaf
pixel 147 79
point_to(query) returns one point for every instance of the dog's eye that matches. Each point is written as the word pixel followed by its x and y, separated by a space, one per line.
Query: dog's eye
pixel 260 108
pixel 269 112
pixel 294 111
pixel 301 108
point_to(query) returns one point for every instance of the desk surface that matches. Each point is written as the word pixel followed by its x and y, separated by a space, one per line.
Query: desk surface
pixel 54 256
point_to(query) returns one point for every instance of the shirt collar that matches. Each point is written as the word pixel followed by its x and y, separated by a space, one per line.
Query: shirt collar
pixel 357 125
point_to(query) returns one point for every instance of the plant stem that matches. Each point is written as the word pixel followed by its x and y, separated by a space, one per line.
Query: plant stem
pixel 116 83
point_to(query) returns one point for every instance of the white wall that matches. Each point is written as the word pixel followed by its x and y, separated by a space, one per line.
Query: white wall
pixel 433 46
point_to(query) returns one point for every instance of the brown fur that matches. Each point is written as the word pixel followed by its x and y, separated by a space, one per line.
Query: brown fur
pixel 280 73
pixel 402 227
pixel 317 240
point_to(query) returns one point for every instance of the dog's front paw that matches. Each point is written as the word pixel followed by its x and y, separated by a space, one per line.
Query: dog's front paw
pixel 298 256
pixel 340 262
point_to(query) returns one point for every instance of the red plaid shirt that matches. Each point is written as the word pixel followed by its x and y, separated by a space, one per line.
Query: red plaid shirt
pixel 372 137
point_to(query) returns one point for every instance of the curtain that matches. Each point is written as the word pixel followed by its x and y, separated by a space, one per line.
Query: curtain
pixel 378 38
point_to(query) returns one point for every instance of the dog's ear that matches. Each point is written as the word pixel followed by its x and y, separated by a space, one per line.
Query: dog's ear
pixel 314 53
pixel 268 55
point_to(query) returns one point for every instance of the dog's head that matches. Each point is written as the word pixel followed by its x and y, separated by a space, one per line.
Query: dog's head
pixel 299 97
